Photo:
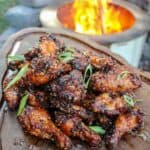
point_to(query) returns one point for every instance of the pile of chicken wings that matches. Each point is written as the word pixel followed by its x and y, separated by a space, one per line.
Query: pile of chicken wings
pixel 71 94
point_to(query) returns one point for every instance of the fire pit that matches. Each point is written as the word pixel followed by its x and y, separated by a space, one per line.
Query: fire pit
pixel 118 24
pixel 97 17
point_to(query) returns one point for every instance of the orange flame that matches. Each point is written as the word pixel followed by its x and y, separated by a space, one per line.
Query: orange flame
pixel 96 17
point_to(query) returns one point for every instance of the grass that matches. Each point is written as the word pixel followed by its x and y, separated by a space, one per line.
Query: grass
pixel 4 6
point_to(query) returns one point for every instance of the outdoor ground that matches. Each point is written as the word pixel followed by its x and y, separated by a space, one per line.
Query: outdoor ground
pixel 4 5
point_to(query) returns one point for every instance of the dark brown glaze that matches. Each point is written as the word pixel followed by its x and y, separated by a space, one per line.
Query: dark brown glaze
pixel 69 87
pixel 12 97
pixel 108 82
pixel 13 94
pixel 80 61
pixel 45 68
pixel 105 121
pixel 33 53
pixel 50 46
pixel 37 122
pixel 47 46
pixel 125 123
pixel 109 104
pixel 78 111
pixel 104 64
pixel 33 101
pixel 74 127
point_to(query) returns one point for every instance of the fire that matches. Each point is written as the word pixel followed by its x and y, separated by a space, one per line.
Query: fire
pixel 96 17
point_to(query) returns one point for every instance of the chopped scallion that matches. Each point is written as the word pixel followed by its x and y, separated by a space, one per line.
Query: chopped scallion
pixel 97 129
pixel 22 104
pixel 16 58
pixel 129 100
pixel 87 75
pixel 20 74
pixel 122 75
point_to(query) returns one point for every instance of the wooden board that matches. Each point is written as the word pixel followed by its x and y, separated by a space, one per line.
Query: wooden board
pixel 11 134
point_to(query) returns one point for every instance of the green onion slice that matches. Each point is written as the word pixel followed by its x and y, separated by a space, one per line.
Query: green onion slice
pixel 70 49
pixel 138 100
pixel 16 58
pixel 129 100
pixel 66 56
pixel 87 75
pixel 97 129
pixel 122 75
pixel 22 104
pixel 145 135
pixel 20 74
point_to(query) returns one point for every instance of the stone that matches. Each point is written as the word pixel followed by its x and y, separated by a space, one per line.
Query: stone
pixel 22 17
pixel 38 3
pixel 8 32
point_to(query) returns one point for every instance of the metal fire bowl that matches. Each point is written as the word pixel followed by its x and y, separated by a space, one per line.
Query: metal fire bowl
pixel 141 26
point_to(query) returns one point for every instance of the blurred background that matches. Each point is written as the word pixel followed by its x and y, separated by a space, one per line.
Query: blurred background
pixel 18 14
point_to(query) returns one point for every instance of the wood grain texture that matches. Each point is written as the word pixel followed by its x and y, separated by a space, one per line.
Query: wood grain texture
pixel 12 136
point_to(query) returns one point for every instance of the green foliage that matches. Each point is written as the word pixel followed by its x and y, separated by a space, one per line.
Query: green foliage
pixel 4 6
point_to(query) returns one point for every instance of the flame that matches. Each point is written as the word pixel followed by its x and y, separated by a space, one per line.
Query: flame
pixel 96 17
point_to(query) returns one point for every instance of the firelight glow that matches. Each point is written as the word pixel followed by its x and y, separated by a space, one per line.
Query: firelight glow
pixel 96 17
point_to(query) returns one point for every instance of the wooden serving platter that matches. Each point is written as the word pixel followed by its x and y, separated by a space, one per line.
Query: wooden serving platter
pixel 12 136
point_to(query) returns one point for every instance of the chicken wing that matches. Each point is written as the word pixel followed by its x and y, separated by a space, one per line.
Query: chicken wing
pixel 47 46
pixel 79 61
pixel 74 127
pixel 104 121
pixel 36 121
pixel 35 52
pixel 69 87
pixel 71 109
pixel 103 64
pixel 13 94
pixel 45 68
pixel 125 123
pixel 110 82
pixel 109 104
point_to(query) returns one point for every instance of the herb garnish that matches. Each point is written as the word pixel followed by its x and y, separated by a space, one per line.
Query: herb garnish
pixel 122 75
pixel 145 135
pixel 97 129
pixel 131 102
pixel 67 55
pixel 16 58
pixel 20 74
pixel 22 104
pixel 138 100
pixel 69 49
pixel 87 75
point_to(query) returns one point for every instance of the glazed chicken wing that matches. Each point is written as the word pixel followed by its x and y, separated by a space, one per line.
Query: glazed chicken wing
pixel 69 87
pixel 72 109
pixel 80 111
pixel 12 97
pixel 13 94
pixel 48 46
pixel 104 121
pixel 74 127
pixel 110 82
pixel 80 61
pixel 103 64
pixel 125 123
pixel 36 121
pixel 45 68
pixel 109 104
